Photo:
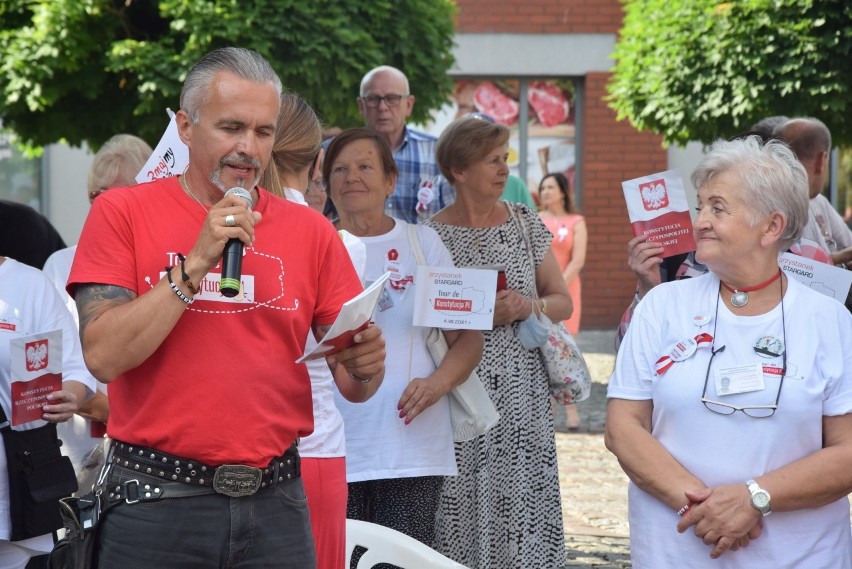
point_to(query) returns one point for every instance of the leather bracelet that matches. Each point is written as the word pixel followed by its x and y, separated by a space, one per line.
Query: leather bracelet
pixel 185 277
pixel 360 379
pixel 180 295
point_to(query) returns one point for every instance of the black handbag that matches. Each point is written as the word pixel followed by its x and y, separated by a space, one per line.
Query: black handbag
pixel 76 549
pixel 38 477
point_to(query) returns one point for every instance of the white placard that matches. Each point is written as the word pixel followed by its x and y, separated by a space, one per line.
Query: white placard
pixel 454 298
pixel 822 277
pixel 170 158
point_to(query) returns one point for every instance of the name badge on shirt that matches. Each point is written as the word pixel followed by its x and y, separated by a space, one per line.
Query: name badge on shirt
pixel 739 379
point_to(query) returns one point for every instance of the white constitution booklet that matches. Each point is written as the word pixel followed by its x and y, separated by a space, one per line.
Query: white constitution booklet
pixel 355 315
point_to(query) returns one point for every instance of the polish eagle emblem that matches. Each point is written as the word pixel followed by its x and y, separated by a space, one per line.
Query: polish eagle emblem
pixel 36 354
pixel 654 195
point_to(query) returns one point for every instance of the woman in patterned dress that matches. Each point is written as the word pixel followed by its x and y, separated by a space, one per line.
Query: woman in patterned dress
pixel 503 510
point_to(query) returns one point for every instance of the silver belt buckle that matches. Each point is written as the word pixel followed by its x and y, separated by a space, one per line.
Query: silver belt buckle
pixel 237 480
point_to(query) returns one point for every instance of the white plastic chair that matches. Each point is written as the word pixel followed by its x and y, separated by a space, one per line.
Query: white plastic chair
pixel 385 545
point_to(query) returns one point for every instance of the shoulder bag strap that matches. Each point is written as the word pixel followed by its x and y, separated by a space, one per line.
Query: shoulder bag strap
pixel 522 229
pixel 414 243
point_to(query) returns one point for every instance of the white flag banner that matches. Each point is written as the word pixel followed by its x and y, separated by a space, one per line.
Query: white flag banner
pixel 170 158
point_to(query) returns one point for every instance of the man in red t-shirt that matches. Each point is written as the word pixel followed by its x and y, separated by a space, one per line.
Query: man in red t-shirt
pixel 207 403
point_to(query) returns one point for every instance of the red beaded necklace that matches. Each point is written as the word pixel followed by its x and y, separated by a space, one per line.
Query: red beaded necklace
pixel 739 298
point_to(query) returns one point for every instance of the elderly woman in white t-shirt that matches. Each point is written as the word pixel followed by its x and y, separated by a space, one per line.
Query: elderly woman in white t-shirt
pixel 399 443
pixel 731 402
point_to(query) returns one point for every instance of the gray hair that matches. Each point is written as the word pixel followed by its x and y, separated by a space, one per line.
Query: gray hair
pixel 243 63
pixel 118 161
pixel 365 82
pixel 773 180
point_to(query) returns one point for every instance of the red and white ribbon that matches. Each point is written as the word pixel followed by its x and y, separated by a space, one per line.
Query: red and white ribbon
pixel 683 350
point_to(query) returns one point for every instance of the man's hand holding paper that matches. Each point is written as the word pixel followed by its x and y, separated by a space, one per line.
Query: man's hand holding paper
pixel 359 369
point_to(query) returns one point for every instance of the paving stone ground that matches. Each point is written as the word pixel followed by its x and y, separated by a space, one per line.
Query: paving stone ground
pixel 594 488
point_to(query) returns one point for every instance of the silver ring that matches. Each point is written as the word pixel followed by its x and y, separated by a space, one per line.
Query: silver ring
pixel 230 221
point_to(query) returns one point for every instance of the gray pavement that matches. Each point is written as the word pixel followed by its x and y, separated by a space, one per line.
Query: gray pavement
pixel 594 488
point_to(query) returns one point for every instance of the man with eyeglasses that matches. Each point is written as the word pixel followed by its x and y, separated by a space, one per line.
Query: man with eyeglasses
pixel 385 103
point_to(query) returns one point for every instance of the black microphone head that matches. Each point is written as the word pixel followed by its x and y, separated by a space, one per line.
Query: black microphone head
pixel 241 193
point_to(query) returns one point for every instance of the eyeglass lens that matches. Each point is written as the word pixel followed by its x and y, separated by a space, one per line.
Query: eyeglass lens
pixel 375 100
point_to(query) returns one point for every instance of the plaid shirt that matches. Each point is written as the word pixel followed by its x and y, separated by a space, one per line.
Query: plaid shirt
pixel 415 160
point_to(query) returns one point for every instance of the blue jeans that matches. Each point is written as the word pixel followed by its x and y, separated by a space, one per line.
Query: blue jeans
pixel 268 529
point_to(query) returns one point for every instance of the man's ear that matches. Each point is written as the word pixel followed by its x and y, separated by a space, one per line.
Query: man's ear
pixel 184 126
pixel 820 162
pixel 409 105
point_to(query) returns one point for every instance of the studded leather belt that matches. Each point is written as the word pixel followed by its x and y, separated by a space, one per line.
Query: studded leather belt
pixel 234 480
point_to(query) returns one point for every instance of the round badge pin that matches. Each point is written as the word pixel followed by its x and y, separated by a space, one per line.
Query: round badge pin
pixel 769 347
pixel 701 320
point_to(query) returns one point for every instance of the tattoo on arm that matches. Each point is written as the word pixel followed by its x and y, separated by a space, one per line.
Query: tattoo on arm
pixel 94 299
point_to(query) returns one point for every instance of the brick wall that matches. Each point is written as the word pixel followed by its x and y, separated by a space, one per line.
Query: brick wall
pixel 612 152
pixel 540 16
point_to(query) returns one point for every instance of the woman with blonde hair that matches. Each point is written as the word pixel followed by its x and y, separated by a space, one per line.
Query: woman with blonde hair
pixel 504 508
pixel 294 156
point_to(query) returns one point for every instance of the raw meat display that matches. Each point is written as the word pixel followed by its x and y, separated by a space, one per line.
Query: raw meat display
pixel 489 99
pixel 549 103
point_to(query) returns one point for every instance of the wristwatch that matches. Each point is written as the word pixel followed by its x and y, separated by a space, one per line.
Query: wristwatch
pixel 760 498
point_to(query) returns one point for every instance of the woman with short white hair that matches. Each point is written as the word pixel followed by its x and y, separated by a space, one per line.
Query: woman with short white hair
pixel 732 393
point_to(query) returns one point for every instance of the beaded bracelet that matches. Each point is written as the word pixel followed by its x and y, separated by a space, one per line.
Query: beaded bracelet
pixel 185 277
pixel 179 294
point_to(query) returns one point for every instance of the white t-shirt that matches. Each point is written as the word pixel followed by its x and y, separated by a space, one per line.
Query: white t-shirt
pixel 379 444
pixel 831 226
pixel 327 439
pixel 75 433
pixel 730 449
pixel 28 305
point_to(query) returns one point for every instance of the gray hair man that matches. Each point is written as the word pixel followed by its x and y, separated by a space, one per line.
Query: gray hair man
pixel 386 102
pixel 207 403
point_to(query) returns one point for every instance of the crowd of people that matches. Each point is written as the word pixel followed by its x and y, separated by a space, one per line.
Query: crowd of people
pixel 222 451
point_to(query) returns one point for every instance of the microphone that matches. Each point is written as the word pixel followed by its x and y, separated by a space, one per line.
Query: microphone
pixel 232 258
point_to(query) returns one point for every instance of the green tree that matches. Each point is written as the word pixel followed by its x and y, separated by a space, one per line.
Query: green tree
pixel 702 69
pixel 82 70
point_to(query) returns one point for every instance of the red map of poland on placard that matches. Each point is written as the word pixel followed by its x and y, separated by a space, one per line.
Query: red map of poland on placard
pixel 672 230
